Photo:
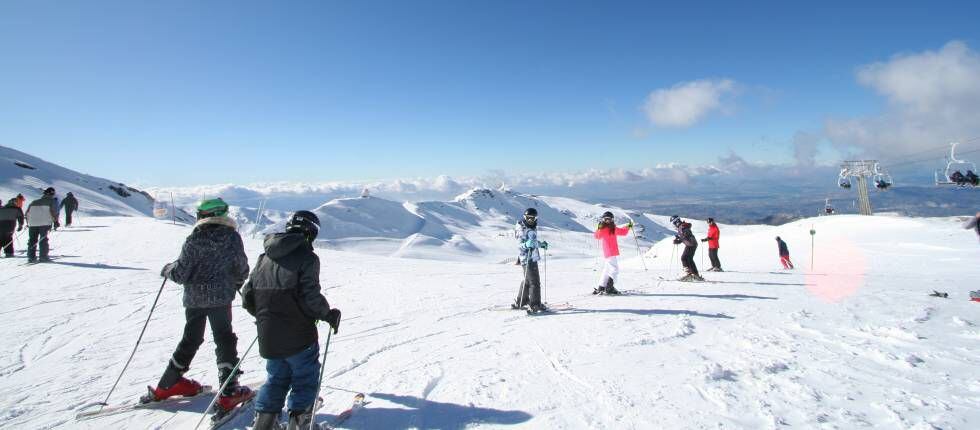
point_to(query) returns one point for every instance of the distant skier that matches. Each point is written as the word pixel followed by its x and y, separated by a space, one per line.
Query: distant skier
pixel 606 232
pixel 11 218
pixel 713 244
pixel 283 293
pixel 70 203
pixel 41 215
pixel 527 236
pixel 212 266
pixel 974 223
pixel 690 242
pixel 784 254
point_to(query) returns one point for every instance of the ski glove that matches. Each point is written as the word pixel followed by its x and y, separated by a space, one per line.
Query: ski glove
pixel 704 240
pixel 167 268
pixel 544 245
pixel 630 224
pixel 333 318
pixel 531 244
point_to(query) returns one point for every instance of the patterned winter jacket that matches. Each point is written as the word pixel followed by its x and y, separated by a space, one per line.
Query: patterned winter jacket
pixel 212 265
pixel 523 233
pixel 685 236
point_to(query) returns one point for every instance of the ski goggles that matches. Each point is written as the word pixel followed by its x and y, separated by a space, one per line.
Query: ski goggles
pixel 530 217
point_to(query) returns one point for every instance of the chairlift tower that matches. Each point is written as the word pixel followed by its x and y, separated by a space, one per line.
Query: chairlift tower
pixel 861 170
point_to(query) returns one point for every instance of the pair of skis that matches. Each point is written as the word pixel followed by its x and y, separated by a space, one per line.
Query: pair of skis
pixel 217 420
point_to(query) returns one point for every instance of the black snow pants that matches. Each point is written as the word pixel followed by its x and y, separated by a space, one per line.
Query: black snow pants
pixel 226 342
pixel 531 286
pixel 713 255
pixel 68 217
pixel 687 259
pixel 6 239
pixel 35 235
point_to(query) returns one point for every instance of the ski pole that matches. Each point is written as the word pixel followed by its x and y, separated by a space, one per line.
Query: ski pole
pixel 225 383
pixel 323 366
pixel 138 340
pixel 670 263
pixel 544 291
pixel 520 294
pixel 638 250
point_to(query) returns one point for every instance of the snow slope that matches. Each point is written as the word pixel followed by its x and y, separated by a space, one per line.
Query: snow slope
pixel 29 175
pixel 856 343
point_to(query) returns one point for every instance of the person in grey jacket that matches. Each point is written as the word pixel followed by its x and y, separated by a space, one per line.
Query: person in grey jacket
pixel 41 215
pixel 283 293
pixel 212 267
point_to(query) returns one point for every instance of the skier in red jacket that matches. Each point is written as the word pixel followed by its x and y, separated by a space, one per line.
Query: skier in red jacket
pixel 713 239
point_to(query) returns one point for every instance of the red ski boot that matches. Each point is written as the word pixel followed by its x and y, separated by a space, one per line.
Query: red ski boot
pixel 184 387
pixel 236 396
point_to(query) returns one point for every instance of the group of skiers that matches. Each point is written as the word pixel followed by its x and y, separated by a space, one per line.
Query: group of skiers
pixel 41 217
pixel 282 293
pixel 607 233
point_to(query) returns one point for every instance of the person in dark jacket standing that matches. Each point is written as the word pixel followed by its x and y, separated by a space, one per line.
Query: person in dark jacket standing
pixel 283 293
pixel 212 267
pixel 690 242
pixel 11 218
pixel 70 203
pixel 41 215
pixel 784 254
pixel 713 240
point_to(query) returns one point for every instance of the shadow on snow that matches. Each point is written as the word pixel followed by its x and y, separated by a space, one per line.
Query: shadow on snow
pixel 426 414
pixel 684 312
pixel 708 296
pixel 94 266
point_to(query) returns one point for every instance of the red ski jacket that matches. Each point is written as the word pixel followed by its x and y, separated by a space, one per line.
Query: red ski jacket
pixel 713 236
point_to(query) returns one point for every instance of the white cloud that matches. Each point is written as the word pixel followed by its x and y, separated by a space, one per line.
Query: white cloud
pixel 933 97
pixel 687 103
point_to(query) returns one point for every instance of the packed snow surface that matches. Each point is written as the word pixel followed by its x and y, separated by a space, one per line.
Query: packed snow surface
pixel 856 342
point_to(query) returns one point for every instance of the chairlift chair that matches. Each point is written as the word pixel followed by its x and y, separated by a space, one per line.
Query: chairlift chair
pixel 843 181
pixel 882 180
pixel 958 172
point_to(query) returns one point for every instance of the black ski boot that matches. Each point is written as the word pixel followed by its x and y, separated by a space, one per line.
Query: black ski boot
pixel 610 288
pixel 599 290
pixel 232 386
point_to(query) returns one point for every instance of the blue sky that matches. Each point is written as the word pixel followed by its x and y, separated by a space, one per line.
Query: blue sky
pixel 189 92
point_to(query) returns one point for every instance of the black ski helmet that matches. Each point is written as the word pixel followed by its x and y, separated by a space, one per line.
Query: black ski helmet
pixel 675 220
pixel 608 215
pixel 49 191
pixel 305 222
pixel 531 218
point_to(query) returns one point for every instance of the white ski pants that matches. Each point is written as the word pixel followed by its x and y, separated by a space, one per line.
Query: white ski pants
pixel 610 270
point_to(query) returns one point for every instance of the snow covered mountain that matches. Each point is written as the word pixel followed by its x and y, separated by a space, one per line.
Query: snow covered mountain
pixel 856 342
pixel 25 174
pixel 476 224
